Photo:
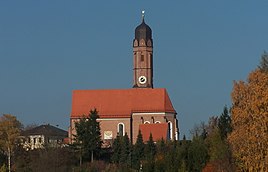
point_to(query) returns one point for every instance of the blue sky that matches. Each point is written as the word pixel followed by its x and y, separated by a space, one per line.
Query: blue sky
pixel 49 48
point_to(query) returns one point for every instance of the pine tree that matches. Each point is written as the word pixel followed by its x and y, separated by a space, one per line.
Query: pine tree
pixel 172 159
pixel 125 150
pixel 197 154
pixel 224 123
pixel 182 153
pixel 138 151
pixel 150 151
pixel 116 149
pixel 218 150
pixel 88 134
pixel 160 155
pixel 264 62
pixel 162 146
pixel 150 146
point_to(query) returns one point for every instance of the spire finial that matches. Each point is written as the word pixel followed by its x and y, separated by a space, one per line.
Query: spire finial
pixel 143 15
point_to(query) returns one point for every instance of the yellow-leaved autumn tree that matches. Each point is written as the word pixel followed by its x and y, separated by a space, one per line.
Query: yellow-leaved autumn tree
pixel 249 138
pixel 9 133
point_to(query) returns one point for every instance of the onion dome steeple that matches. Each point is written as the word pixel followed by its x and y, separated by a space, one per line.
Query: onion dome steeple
pixel 143 31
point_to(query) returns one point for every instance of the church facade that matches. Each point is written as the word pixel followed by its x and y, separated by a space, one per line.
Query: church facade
pixel 142 107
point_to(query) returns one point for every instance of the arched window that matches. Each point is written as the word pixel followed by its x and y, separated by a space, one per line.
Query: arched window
pixel 147 122
pixel 170 134
pixel 157 122
pixel 121 129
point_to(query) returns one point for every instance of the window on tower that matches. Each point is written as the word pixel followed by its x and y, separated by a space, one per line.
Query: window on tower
pixel 142 58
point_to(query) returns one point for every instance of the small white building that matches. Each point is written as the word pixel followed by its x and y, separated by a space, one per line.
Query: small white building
pixel 42 136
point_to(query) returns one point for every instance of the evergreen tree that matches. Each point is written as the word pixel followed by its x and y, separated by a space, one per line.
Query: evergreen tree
pixel 172 158
pixel 125 150
pixel 182 153
pixel 138 151
pixel 160 155
pixel 150 151
pixel 122 150
pixel 224 123
pixel 218 150
pixel 150 147
pixel 264 62
pixel 116 149
pixel 197 154
pixel 162 146
pixel 88 134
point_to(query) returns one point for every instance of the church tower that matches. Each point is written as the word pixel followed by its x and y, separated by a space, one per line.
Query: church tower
pixel 143 56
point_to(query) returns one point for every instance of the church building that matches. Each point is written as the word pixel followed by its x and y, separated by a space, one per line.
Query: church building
pixel 142 107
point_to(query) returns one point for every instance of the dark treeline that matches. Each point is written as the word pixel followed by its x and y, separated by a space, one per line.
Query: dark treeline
pixel 207 150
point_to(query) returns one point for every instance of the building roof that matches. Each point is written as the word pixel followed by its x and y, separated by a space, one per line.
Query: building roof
pixel 120 103
pixel 143 31
pixel 158 130
pixel 47 130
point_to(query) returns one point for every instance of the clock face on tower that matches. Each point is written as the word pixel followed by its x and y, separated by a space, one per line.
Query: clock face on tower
pixel 142 79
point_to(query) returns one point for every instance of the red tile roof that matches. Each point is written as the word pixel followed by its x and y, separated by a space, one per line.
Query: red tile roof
pixel 120 103
pixel 158 130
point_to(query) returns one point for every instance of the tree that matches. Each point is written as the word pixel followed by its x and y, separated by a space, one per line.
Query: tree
pixel 150 147
pixel 264 62
pixel 172 158
pixel 116 149
pixel 125 150
pixel 150 151
pixel 122 150
pixel 197 154
pixel 182 151
pixel 224 123
pixel 138 151
pixel 88 134
pixel 10 129
pixel 160 155
pixel 249 113
pixel 43 160
pixel 199 130
pixel 218 151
